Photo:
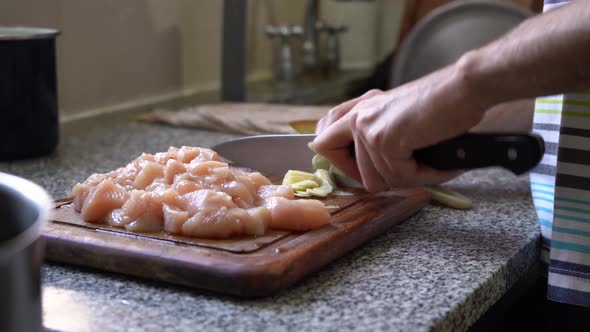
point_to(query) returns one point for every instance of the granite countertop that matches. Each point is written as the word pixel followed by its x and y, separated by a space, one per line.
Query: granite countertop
pixel 440 270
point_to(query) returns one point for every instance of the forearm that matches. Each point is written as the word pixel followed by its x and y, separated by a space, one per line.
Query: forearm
pixel 545 55
pixel 507 117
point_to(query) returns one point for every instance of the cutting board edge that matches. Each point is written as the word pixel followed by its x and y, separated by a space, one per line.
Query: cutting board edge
pixel 258 279
pixel 326 250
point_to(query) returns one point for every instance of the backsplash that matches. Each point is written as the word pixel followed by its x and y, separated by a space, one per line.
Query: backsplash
pixel 116 54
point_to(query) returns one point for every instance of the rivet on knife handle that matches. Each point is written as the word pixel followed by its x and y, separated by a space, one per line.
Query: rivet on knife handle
pixel 517 152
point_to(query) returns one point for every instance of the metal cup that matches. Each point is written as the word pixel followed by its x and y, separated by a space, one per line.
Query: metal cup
pixel 24 207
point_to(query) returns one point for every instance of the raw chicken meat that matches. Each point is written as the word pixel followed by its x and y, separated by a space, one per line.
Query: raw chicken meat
pixel 192 192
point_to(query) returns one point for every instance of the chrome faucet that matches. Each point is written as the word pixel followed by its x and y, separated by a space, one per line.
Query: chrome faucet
pixel 310 35
pixel 315 58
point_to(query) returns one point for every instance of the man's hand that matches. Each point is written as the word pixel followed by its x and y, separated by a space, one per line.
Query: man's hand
pixel 386 127
pixel 339 111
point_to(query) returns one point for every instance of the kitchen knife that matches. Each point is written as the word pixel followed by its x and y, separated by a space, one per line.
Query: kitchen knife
pixel 276 154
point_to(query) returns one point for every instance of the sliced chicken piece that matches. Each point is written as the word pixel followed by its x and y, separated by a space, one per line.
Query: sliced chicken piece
pixel 102 199
pixel 173 152
pixel 173 168
pixel 224 223
pixel 97 178
pixel 149 171
pixel 161 158
pixel 206 199
pixel 135 206
pixel 80 192
pixel 158 185
pixel 186 154
pixel 117 218
pixel 144 211
pixel 186 186
pixel 210 167
pixel 210 223
pixel 267 191
pixel 174 218
pixel 247 182
pixel 297 215
pixel 260 220
pixel 240 193
pixel 146 157
pixel 148 222
pixel 126 175
pixel 208 154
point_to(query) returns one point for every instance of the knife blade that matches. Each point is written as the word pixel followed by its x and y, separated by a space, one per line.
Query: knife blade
pixel 276 154
pixel 269 154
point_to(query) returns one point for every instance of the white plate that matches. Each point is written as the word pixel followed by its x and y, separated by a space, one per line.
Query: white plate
pixel 444 35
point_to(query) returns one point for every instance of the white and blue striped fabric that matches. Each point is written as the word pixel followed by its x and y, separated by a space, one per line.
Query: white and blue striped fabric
pixel 560 187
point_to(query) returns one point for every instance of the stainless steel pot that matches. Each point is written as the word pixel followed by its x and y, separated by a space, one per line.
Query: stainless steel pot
pixel 29 125
pixel 24 208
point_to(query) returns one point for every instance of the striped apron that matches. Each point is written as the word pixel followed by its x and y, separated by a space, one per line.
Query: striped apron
pixel 560 187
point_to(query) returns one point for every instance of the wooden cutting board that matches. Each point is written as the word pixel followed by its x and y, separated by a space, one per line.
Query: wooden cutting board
pixel 247 266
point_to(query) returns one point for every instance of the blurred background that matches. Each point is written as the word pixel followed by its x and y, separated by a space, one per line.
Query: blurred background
pixel 119 55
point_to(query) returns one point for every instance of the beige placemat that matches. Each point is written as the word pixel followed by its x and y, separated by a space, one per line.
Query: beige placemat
pixel 240 118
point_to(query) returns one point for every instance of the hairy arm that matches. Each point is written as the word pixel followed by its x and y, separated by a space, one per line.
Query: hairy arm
pixel 508 117
pixel 545 55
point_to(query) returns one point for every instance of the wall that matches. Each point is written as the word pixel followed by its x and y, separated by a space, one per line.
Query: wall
pixel 372 29
pixel 115 54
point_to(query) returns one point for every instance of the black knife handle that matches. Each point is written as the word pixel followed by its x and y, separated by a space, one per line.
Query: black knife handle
pixel 514 151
